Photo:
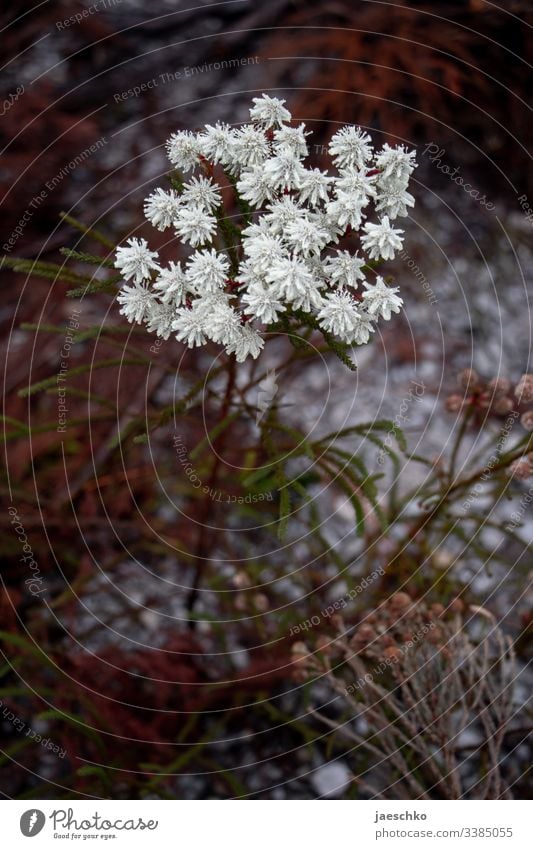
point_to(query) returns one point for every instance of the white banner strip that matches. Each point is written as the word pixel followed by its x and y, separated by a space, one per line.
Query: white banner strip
pixel 268 824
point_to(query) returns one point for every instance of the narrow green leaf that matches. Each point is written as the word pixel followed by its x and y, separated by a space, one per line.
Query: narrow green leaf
pixel 87 231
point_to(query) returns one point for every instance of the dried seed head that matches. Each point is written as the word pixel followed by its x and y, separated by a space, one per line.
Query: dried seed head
pixel 299 650
pixel 337 621
pixel 240 602
pixel 437 609
pixel 324 645
pixel 392 652
pixel 454 403
pixel 468 379
pixel 261 602
pixel 499 386
pixel 520 468
pixel 485 400
pixel 524 389
pixel 400 601
pixel 457 606
pixel 241 580
pixel 502 405
pixel 365 634
pixel 442 558
pixel 435 636
pixel 526 420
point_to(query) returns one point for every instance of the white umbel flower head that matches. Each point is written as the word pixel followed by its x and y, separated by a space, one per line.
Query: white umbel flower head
pixel 189 326
pixel 255 186
pixel 357 182
pixel 285 171
pixel 339 315
pixel 291 140
pixel 223 324
pixel 261 303
pixel 183 149
pixel 393 201
pixel 350 146
pixel 344 269
pixel 136 301
pixel 207 271
pixel 396 163
pixel 282 213
pixel 161 208
pixel 381 241
pixel 262 250
pixel 195 226
pixel 269 111
pixel 250 147
pixel 347 210
pixel 160 318
pixel 292 280
pixel 363 329
pixel 136 261
pixel 216 144
pixel 278 257
pixel 306 237
pixel 314 187
pixel 380 300
pixel 247 344
pixel 201 192
pixel 171 285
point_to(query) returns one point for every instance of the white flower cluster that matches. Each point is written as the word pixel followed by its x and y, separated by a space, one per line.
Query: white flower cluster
pixel 289 261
